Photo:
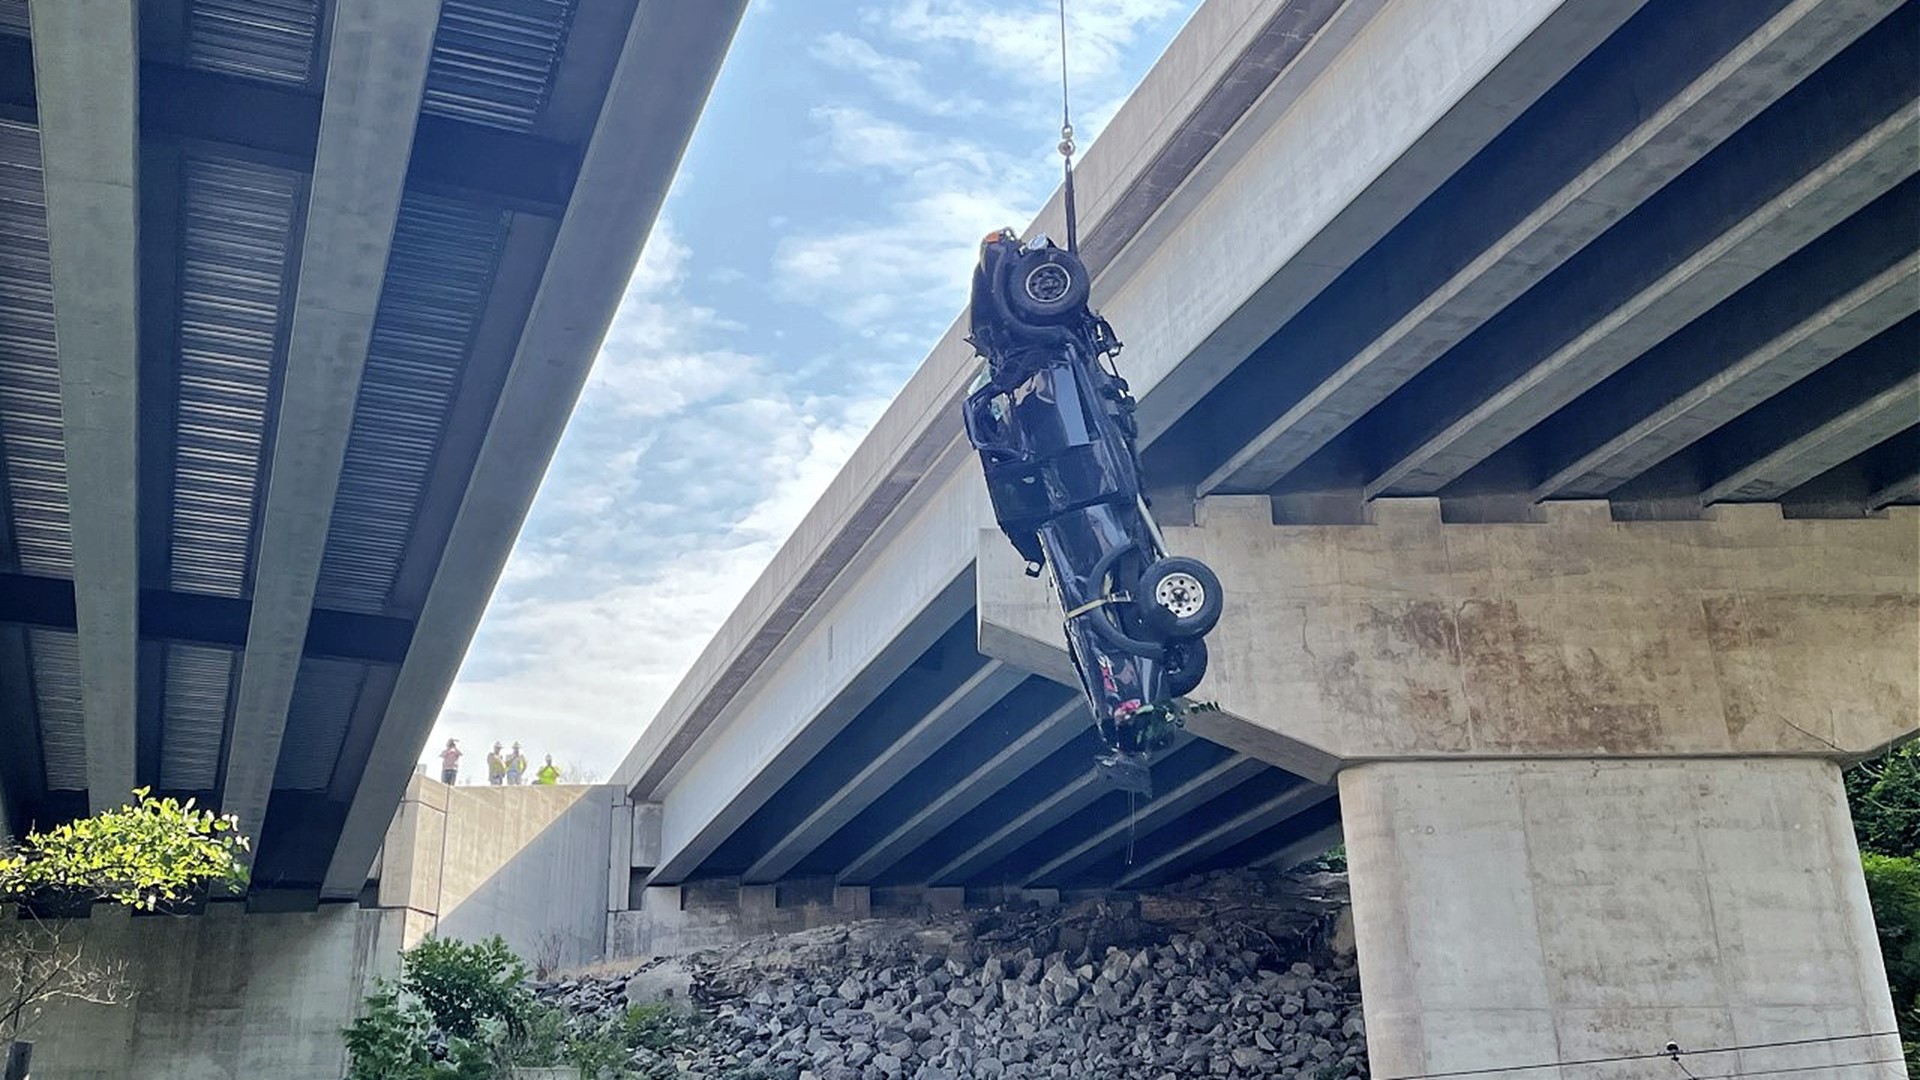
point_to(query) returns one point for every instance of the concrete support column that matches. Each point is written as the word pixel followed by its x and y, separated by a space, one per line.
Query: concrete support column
pixel 1525 912
pixel 1588 770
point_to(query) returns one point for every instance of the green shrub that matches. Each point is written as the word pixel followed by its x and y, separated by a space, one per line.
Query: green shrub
pixel 140 855
pixel 392 1041
pixel 596 1054
pixel 544 1041
pixel 462 983
pixel 637 1045
pixel 659 1028
pixel 1332 860
pixel 1885 797
pixel 1893 885
pixel 472 997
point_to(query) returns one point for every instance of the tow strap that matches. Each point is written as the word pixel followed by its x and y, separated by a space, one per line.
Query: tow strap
pixel 1097 603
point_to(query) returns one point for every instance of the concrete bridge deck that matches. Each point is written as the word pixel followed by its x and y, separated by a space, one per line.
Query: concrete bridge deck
pixel 1541 374
pixel 1661 254
pixel 293 308
pixel 1589 271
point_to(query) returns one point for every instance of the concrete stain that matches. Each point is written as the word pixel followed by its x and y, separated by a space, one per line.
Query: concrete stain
pixel 1528 691
pixel 1398 699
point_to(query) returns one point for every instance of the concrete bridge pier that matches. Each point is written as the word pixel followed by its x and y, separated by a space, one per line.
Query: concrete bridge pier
pixel 1589 771
pixel 1537 910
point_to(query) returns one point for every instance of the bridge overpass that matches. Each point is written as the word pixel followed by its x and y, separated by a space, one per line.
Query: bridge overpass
pixel 1544 379
pixel 295 299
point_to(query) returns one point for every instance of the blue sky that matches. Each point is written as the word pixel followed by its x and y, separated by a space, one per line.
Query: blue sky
pixel 815 245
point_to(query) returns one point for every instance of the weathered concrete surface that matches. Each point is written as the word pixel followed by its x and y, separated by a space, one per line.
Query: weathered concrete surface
pixel 1863 171
pixel 1515 912
pixel 1589 771
pixel 1576 637
pixel 912 747
pixel 231 994
pixel 225 995
pixel 1830 332
pixel 796 707
pixel 528 863
pixel 1351 148
pixel 1840 439
pixel 1047 735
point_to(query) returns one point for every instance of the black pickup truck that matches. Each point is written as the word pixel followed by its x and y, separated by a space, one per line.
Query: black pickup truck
pixel 1053 422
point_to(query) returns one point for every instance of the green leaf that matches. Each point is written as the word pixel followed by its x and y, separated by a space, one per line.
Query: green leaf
pixel 139 855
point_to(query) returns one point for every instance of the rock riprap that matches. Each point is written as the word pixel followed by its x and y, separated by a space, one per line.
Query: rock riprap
pixel 1240 974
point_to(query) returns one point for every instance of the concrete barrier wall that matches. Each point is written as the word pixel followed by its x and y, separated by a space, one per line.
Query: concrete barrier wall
pixel 528 863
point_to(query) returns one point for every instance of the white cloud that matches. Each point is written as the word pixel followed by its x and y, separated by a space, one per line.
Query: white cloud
pixel 1023 42
pixel 897 78
pixel 686 466
pixel 654 360
pixel 857 139
pixel 899 275
pixel 591 669
pixel 900 280
pixel 694 451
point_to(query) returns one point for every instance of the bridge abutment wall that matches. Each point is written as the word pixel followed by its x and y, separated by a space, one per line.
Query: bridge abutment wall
pixel 225 994
pixel 530 863
pixel 243 991
pixel 674 920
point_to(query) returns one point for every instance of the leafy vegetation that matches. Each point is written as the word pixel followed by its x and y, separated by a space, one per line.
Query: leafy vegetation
pixel 461 985
pixel 463 1011
pixel 395 1040
pixel 459 1011
pixel 1885 797
pixel 608 1049
pixel 1894 885
pixel 1333 860
pixel 145 854
pixel 141 855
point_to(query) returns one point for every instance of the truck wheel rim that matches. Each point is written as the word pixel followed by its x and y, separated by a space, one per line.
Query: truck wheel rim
pixel 1181 594
pixel 1048 282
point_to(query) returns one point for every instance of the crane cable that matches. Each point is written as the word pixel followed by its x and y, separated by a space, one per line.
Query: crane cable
pixel 1066 138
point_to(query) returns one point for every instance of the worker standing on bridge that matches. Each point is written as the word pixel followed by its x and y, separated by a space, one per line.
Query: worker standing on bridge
pixel 450 762
pixel 549 773
pixel 516 766
pixel 496 767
